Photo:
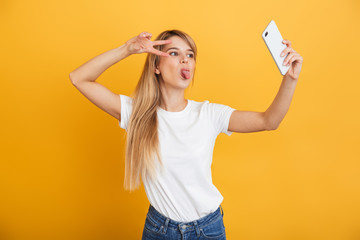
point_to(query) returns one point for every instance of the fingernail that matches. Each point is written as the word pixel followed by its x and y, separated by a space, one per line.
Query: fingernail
pixel 282 54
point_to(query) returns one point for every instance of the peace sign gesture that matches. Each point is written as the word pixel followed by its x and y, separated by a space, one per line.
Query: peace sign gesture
pixel 142 43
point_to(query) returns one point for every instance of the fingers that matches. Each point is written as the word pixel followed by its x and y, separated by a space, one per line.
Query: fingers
pixel 289 59
pixel 287 42
pixel 286 50
pixel 160 53
pixel 292 56
pixel 145 35
pixel 159 42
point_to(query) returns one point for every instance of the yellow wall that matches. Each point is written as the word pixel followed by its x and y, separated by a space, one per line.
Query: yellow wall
pixel 62 158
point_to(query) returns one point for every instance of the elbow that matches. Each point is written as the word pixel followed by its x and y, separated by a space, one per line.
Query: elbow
pixel 271 127
pixel 71 77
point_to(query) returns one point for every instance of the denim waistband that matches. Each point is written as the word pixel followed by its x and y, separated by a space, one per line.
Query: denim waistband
pixel 187 226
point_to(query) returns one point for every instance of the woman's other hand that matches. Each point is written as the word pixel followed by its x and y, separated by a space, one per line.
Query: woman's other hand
pixel 142 44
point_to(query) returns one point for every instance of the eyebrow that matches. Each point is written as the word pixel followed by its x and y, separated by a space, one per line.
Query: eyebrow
pixel 178 49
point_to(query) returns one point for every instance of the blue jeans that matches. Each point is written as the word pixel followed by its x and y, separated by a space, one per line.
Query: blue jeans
pixel 158 226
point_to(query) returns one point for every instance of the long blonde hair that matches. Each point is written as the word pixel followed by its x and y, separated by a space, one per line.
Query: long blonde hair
pixel 142 144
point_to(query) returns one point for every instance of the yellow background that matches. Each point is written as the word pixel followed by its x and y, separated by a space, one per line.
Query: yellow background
pixel 62 158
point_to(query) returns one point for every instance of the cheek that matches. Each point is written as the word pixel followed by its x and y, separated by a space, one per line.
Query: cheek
pixel 169 65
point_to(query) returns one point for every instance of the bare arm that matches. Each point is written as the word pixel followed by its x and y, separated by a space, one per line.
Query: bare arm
pixel 93 68
pixel 279 107
pixel 247 121
pixel 84 77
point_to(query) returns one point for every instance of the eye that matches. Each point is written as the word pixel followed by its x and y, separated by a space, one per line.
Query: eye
pixel 191 55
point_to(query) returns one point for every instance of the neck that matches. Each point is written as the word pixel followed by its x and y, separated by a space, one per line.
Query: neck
pixel 172 99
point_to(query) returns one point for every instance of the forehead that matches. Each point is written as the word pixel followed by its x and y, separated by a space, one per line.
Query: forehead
pixel 177 42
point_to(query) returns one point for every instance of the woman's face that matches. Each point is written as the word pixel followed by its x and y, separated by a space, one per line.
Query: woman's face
pixel 181 56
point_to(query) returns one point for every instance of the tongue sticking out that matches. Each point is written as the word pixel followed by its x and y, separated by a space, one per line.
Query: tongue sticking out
pixel 185 74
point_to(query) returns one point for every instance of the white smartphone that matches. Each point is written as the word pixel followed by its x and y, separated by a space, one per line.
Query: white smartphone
pixel 273 41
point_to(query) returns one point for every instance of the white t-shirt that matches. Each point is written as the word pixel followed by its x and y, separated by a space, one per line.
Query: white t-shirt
pixel 184 190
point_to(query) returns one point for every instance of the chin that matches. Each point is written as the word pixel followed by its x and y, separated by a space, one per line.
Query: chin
pixel 184 85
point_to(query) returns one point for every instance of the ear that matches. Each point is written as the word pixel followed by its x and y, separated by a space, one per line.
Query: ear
pixel 157 71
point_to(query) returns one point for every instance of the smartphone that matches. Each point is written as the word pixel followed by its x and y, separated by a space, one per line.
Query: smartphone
pixel 273 41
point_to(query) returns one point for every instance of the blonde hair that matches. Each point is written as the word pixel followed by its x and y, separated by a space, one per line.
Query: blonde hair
pixel 142 143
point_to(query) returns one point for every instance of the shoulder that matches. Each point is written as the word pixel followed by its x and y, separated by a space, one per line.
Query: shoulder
pixel 125 98
pixel 126 102
pixel 199 104
pixel 206 105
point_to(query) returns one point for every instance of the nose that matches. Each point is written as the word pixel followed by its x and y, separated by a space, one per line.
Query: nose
pixel 184 60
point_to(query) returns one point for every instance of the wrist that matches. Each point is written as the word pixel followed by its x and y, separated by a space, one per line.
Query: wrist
pixel 288 78
pixel 124 50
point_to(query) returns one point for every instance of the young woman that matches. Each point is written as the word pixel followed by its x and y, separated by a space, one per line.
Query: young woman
pixel 170 139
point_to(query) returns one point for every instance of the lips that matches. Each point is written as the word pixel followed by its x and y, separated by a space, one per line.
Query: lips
pixel 185 73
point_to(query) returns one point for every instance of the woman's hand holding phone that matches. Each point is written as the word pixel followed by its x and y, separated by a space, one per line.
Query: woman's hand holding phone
pixel 293 59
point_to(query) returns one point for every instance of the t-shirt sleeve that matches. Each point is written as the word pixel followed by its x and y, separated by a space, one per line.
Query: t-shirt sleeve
pixel 220 116
pixel 126 109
